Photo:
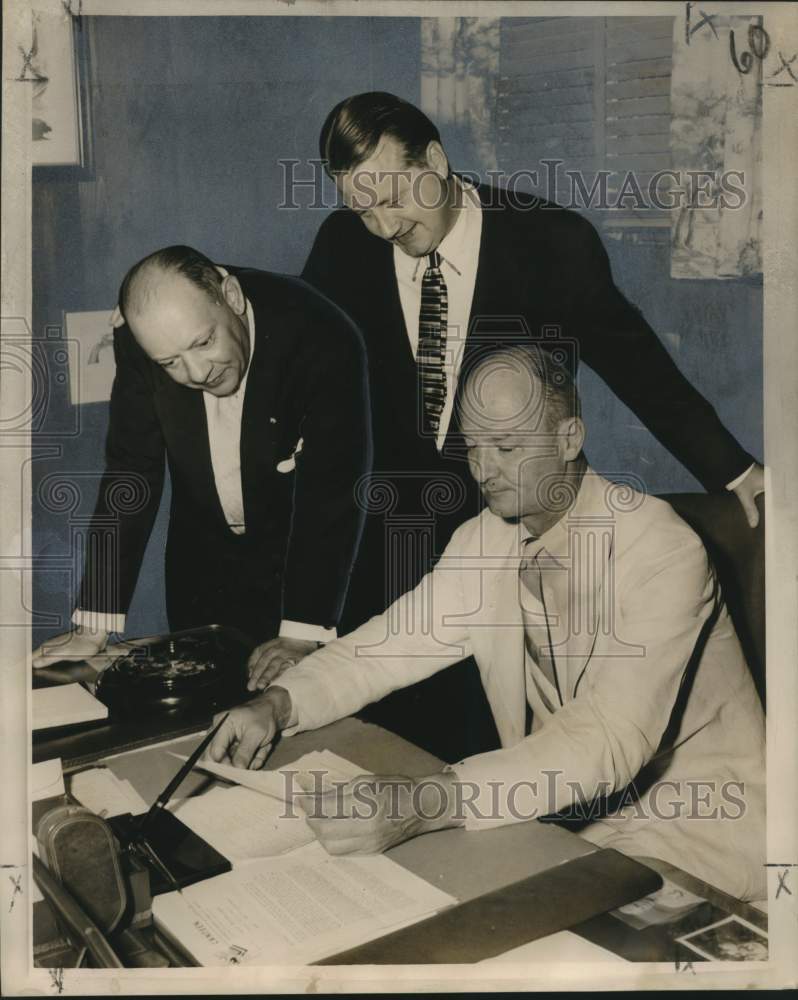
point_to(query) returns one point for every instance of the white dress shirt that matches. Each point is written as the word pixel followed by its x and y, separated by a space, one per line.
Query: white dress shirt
pixel 223 415
pixel 459 252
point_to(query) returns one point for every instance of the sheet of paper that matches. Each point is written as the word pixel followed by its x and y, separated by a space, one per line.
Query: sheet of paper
pixel 561 947
pixel 244 825
pixel 65 704
pixel 295 909
pixel 47 780
pixel 322 767
pixel 101 791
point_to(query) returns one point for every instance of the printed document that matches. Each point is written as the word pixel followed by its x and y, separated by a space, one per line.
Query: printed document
pixel 294 909
pixel 259 816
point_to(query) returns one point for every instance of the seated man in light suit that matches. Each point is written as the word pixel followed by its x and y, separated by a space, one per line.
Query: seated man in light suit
pixel 588 603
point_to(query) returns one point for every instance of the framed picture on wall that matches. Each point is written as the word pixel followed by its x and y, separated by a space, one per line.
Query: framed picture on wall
pixel 57 67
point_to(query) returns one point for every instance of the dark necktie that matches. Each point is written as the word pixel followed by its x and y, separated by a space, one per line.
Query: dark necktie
pixel 431 351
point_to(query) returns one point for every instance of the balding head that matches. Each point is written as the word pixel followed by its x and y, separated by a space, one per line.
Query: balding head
pixel 520 417
pixel 520 388
pixel 189 317
pixel 153 273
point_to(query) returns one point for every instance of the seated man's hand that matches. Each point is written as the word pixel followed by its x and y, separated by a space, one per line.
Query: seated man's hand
pixel 247 734
pixel 270 659
pixel 78 644
pixel 372 813
pixel 748 490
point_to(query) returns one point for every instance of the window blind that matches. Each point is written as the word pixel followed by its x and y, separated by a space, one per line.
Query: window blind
pixel 592 93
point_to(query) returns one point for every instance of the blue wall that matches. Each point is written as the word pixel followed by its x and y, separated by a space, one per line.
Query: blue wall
pixel 713 330
pixel 190 116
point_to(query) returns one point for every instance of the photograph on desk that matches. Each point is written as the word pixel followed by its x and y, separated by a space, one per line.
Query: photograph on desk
pixel 396 408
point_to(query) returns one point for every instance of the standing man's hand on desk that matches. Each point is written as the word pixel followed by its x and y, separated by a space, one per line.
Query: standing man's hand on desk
pixel 247 735
pixel 79 643
pixel 271 658
pixel 374 812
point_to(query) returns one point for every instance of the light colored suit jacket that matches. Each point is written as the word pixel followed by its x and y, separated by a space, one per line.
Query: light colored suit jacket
pixel 657 698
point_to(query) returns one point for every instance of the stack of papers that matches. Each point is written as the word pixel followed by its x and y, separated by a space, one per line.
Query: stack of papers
pixel 294 909
pixel 47 780
pixel 243 825
pixel 260 817
pixel 286 901
pixel 64 705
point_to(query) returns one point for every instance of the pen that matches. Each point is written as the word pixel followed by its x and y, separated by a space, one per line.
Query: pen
pixel 144 847
pixel 176 781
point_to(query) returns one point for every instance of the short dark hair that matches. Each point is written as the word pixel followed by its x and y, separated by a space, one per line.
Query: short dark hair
pixel 183 260
pixel 560 398
pixel 354 128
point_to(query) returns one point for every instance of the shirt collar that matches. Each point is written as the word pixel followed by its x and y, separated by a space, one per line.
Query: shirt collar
pixel 250 318
pixel 453 248
pixel 555 539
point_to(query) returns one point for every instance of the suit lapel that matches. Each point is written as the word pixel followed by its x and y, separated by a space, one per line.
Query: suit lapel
pixel 502 661
pixel 185 426
pixel 258 418
pixel 500 288
pixel 502 282
pixel 390 348
pixel 588 590
pixel 576 595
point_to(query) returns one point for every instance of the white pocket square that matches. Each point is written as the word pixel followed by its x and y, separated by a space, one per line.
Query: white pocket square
pixel 289 464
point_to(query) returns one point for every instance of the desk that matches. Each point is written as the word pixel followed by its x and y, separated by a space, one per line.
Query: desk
pixel 452 860
pixel 467 865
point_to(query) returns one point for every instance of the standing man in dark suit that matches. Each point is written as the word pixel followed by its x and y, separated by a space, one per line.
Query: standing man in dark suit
pixel 264 458
pixel 415 242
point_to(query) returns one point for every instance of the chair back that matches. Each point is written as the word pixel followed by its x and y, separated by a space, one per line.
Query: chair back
pixel 738 553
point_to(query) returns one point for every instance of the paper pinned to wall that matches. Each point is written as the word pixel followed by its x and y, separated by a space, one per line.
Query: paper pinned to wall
pixel 89 339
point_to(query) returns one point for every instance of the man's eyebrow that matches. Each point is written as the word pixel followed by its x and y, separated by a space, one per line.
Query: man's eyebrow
pixel 359 210
pixel 487 436
pixel 197 340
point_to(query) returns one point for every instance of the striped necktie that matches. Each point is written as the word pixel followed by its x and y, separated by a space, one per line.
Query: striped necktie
pixel 432 345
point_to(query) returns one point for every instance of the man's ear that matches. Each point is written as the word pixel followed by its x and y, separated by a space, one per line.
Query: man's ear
pixel 572 435
pixel 437 159
pixel 234 294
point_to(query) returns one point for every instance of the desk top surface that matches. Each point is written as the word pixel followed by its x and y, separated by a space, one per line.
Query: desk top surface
pixel 464 864
pixel 467 865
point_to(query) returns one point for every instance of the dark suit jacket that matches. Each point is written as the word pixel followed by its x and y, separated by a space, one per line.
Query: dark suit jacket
pixel 307 380
pixel 541 269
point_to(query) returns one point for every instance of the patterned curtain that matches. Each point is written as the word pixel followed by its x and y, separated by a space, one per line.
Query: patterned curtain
pixel 459 74
pixel 716 126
